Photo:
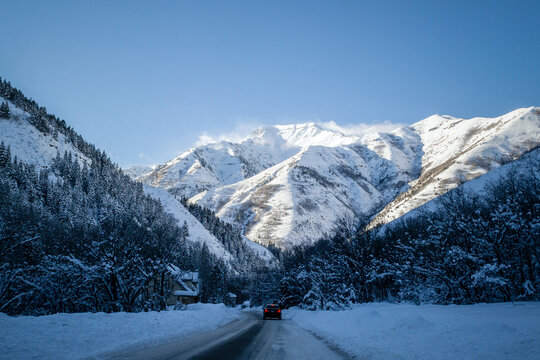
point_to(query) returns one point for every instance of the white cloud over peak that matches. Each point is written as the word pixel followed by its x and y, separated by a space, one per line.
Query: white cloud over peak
pixel 240 132
pixel 205 138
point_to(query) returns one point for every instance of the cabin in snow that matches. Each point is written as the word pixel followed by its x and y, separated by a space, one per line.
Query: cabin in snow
pixel 176 286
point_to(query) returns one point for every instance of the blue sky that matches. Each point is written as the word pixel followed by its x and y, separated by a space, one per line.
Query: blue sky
pixel 143 80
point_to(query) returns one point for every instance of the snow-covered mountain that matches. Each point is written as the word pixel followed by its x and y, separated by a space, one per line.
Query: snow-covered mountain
pixel 39 148
pixel 224 163
pixel 289 184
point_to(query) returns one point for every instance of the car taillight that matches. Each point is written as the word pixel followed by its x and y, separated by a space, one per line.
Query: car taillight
pixel 265 310
pixel 279 311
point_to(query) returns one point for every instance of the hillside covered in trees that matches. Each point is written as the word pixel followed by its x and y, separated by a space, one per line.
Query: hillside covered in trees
pixel 82 236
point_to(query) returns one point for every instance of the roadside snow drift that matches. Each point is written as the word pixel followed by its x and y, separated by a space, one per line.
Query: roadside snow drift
pixel 76 336
pixel 389 331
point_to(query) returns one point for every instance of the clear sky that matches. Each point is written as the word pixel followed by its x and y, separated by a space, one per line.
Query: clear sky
pixel 143 80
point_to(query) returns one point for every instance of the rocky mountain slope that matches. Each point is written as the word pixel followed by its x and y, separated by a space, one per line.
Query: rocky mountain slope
pixel 289 184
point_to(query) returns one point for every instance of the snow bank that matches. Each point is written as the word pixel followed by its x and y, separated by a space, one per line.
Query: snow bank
pixel 389 331
pixel 75 336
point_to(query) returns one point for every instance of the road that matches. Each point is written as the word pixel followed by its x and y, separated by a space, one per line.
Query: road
pixel 248 338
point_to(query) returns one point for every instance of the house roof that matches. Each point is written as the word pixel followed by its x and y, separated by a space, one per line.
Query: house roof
pixel 184 275
pixel 190 289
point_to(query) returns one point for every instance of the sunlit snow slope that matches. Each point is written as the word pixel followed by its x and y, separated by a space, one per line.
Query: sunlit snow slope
pixel 29 144
pixel 526 165
pixel 458 150
pixel 197 232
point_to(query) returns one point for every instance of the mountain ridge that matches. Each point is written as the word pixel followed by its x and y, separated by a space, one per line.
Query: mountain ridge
pixel 279 182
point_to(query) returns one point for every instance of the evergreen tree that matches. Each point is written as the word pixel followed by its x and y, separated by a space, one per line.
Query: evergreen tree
pixel 4 110
pixel 5 155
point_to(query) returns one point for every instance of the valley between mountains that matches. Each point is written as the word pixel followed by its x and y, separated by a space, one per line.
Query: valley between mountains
pixel 308 216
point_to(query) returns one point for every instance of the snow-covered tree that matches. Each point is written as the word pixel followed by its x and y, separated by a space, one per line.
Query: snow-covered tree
pixel 4 110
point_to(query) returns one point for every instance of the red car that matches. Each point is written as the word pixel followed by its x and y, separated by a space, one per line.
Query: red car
pixel 271 311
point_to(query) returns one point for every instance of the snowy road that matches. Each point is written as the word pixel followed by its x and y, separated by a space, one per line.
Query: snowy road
pixel 248 338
